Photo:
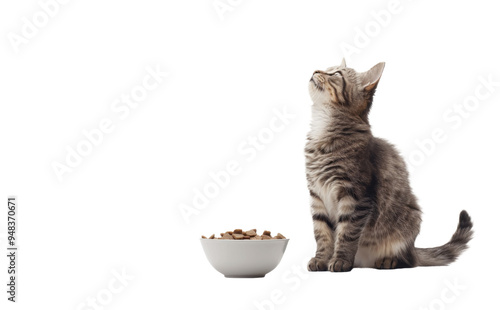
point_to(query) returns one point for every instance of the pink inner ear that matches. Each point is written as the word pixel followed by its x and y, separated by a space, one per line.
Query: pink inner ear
pixel 370 86
pixel 371 77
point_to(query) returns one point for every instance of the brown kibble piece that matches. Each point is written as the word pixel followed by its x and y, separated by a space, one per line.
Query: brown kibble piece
pixel 250 233
pixel 204 237
pixel 229 232
pixel 238 231
pixel 212 236
pixel 227 236
pixel 238 236
pixel 266 232
pixel 258 237
pixel 280 236
pixel 246 237
pixel 266 237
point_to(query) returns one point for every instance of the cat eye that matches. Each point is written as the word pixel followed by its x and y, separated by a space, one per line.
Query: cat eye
pixel 337 73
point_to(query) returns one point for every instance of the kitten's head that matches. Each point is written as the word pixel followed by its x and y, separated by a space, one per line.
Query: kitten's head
pixel 343 89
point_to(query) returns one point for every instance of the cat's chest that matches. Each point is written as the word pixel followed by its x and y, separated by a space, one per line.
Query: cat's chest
pixel 327 195
pixel 324 174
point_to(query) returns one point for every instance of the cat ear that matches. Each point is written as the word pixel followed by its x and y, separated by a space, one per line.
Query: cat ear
pixel 370 78
pixel 342 65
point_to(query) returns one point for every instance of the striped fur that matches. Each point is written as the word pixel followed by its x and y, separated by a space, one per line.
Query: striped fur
pixel 363 209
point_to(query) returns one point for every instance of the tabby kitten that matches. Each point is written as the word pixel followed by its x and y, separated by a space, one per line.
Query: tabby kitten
pixel 363 209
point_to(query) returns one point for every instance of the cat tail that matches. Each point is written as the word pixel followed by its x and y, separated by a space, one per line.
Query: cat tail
pixel 448 253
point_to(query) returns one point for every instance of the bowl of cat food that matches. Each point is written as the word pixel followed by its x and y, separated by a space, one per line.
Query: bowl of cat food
pixel 244 254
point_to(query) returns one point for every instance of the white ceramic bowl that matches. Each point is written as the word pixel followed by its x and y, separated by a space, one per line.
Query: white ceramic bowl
pixel 244 258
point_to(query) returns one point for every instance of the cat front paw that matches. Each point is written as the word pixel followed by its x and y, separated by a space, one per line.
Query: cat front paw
pixel 340 265
pixel 317 264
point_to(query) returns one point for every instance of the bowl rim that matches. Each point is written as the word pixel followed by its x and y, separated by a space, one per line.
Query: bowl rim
pixel 233 240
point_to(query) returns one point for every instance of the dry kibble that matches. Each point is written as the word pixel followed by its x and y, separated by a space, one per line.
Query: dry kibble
pixel 227 236
pixel 250 233
pixel 239 234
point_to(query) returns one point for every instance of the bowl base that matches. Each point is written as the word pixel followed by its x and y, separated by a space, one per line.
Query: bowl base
pixel 256 276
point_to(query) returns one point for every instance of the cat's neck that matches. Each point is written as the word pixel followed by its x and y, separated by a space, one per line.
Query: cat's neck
pixel 328 124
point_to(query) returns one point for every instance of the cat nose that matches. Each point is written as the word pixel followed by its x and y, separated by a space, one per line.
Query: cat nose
pixel 314 73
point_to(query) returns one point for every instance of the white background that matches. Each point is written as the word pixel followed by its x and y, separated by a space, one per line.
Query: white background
pixel 119 208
